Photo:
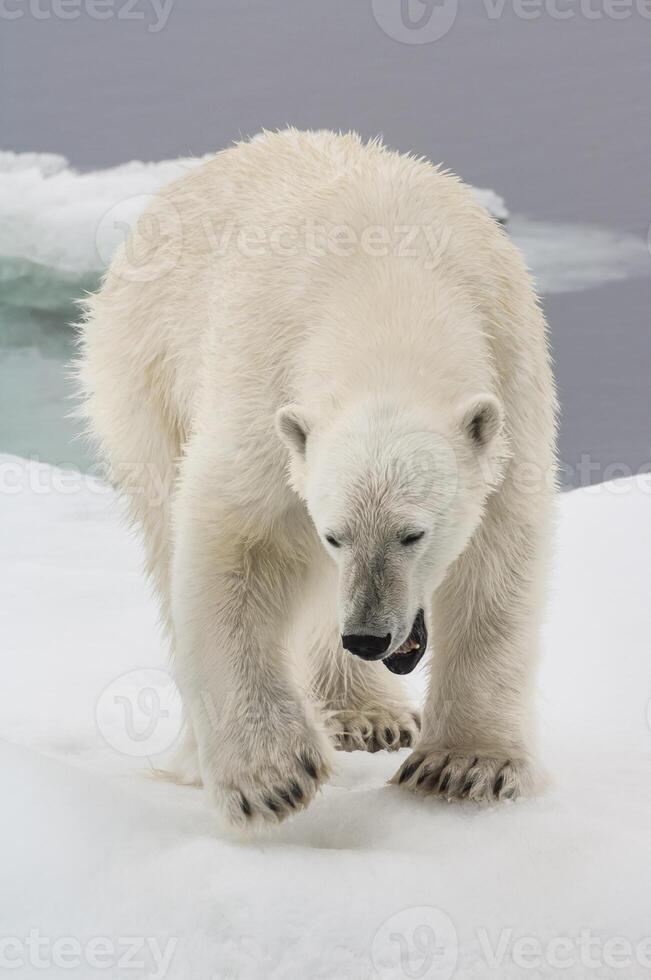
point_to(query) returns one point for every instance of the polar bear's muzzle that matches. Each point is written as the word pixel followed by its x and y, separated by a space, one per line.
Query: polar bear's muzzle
pixel 404 659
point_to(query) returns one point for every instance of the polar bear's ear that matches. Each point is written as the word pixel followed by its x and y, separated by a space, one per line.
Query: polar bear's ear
pixel 293 428
pixel 483 418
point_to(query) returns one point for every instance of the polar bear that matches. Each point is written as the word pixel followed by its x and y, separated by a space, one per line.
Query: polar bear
pixel 320 375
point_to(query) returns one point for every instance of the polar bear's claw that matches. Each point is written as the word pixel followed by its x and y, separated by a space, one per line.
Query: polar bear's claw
pixel 272 792
pixel 309 767
pixel 465 775
pixel 375 729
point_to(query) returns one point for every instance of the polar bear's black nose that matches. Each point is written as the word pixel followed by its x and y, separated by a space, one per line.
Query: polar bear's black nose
pixel 366 646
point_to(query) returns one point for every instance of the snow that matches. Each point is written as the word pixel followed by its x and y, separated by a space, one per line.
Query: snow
pixel 370 882
pixel 566 258
pixel 53 216
pixel 493 202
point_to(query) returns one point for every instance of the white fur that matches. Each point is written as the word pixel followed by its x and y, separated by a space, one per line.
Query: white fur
pixel 420 398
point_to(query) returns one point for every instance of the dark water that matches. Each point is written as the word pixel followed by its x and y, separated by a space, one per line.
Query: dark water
pixel 553 113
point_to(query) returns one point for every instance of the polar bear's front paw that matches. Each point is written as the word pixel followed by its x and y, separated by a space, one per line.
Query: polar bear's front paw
pixel 374 729
pixel 278 786
pixel 464 774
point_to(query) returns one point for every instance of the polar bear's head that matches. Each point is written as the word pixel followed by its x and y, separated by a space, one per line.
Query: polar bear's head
pixel 395 495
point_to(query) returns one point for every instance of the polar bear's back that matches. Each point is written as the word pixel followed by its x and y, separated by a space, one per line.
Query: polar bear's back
pixel 237 277
pixel 207 251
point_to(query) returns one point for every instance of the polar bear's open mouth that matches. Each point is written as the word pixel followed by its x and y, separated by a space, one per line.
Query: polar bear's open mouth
pixel 404 659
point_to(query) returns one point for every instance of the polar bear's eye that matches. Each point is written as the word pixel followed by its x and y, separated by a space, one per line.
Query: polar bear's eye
pixel 408 539
pixel 330 538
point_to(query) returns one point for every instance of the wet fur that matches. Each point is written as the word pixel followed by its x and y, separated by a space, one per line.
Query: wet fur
pixel 182 377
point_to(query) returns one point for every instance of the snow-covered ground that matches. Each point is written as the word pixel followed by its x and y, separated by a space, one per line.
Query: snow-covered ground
pixel 105 872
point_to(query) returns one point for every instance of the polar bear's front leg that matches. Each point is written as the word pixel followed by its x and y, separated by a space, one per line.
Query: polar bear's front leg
pixel 476 737
pixel 262 753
